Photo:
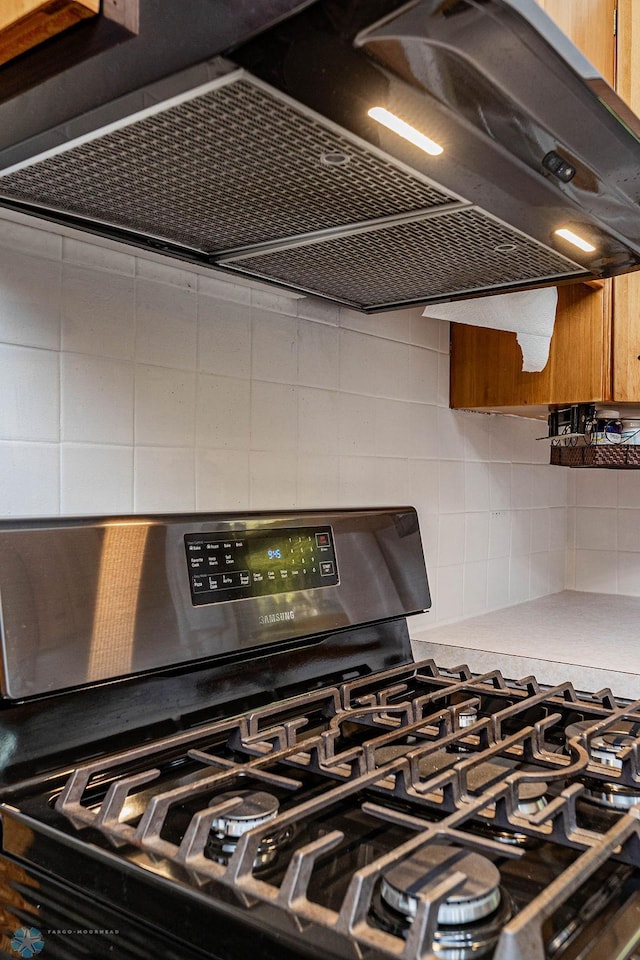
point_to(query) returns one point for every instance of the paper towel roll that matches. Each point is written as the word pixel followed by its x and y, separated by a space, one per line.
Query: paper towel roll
pixel 530 314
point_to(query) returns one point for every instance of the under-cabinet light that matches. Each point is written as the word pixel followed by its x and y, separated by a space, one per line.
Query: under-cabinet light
pixel 388 119
pixel 575 239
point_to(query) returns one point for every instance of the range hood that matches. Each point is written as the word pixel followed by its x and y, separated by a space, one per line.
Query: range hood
pixel 266 157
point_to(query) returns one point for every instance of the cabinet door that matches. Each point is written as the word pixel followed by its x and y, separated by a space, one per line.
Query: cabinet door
pixel 486 365
pixel 626 290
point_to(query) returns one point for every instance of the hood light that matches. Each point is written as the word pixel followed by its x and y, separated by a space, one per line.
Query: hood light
pixel 575 240
pixel 388 119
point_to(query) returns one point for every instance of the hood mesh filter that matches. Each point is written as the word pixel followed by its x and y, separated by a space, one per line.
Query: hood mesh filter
pixel 231 167
pixel 462 251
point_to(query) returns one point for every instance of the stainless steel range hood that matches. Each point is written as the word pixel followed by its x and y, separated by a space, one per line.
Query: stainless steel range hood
pixel 265 162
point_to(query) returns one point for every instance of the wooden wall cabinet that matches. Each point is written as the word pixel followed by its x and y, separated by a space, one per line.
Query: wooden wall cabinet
pixel 595 349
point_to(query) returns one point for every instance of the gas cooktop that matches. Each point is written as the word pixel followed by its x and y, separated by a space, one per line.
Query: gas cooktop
pixel 346 803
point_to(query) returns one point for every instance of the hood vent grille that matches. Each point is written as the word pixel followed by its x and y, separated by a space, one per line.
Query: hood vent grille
pixel 235 164
pixel 465 249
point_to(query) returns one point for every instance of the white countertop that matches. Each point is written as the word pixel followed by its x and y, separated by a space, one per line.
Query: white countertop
pixel 591 639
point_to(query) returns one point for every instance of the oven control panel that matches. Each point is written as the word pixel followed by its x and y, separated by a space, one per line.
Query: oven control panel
pixel 259 563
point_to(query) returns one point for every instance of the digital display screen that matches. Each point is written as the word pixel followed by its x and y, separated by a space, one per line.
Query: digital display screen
pixel 257 563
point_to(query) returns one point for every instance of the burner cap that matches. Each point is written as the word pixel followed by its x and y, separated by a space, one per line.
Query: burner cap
pixel 467 717
pixel 531 796
pixel 605 746
pixel 257 807
pixel 478 896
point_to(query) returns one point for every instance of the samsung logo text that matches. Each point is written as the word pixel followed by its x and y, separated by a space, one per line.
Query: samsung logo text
pixel 277 617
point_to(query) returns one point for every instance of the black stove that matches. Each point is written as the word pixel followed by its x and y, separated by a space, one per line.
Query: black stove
pixel 310 794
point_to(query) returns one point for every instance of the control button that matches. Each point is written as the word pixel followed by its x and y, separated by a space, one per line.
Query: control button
pixel 212 560
pixel 228 580
pixel 322 539
pixel 214 583
pixel 295 573
pixel 271 574
pixel 239 544
pixel 284 574
pixel 229 559
pixel 196 562
pixel 327 568
pixel 194 548
pixel 214 545
pixel 257 578
pixel 200 584
pixel 227 546
pixel 244 579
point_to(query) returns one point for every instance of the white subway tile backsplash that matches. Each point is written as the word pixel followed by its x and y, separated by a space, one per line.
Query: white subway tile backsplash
pixel 476 545
pixel 164 480
pixel 392 427
pixel 521 532
pixel 97 399
pixel 97 257
pixel 597 529
pixel 628 574
pixel 499 534
pixel 274 417
pixel 451 539
pixel 519 579
pixel 451 484
pixel 475 589
pixel 450 426
pixel 356 425
pixel 272 480
pixel 477 439
pixel 540 523
pixel 539 574
pixel 317 355
pixel 596 570
pixel 224 337
pixel 164 407
pixel 443 380
pixel 625 523
pixel 477 478
pixel 183 389
pixel 423 431
pixel 30 292
pixel 449 592
pixel 497 583
pixel 282 302
pixel 596 488
pixel 558 528
pixel 30 479
pixel 223 412
pixel 424 485
pixel 426 331
pixel 97 312
pixel 521 486
pixel 500 486
pixel 390 482
pixel 220 288
pixel 318 481
pixel 32 240
pixel 160 271
pixel 371 366
pixel 166 326
pixel 317 421
pixel 311 308
pixel 274 354
pixel 29 394
pixel 628 484
pixel 423 375
pixel 222 480
pixel 96 479
pixel 390 325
